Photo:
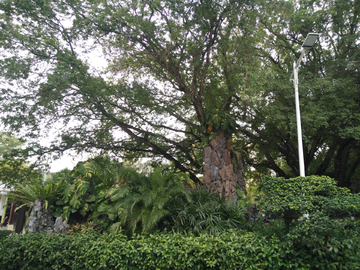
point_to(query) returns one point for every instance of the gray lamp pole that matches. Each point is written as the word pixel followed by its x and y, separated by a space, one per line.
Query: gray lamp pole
pixel 307 45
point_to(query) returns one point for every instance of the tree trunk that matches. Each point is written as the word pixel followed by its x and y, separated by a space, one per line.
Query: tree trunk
pixel 223 167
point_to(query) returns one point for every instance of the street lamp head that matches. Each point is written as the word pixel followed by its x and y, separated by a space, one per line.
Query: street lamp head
pixel 310 41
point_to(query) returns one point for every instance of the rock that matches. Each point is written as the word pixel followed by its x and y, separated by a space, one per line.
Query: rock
pixel 40 219
pixel 60 225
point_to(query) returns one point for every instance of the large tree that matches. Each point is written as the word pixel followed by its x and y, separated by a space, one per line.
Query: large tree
pixel 175 73
pixel 193 82
pixel 329 85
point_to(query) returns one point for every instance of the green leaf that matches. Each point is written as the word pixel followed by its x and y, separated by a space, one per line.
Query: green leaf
pixel 75 201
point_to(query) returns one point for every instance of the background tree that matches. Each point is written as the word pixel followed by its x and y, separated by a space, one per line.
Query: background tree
pixel 56 177
pixel 8 143
pixel 14 170
pixel 329 91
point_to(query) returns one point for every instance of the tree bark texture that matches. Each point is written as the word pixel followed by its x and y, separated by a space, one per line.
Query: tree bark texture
pixel 223 167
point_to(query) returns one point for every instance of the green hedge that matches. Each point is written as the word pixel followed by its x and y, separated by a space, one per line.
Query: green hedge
pixel 229 250
pixel 4 233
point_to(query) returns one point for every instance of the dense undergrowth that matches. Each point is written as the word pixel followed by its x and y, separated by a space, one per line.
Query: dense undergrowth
pixel 123 219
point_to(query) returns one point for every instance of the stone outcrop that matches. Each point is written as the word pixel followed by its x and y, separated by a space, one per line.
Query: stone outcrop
pixel 223 168
pixel 40 219
pixel 60 225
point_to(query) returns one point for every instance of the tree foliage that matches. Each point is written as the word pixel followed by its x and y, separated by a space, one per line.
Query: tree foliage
pixel 295 197
pixel 15 170
pixel 328 86
pixel 58 176
pixel 183 58
pixel 8 143
pixel 177 71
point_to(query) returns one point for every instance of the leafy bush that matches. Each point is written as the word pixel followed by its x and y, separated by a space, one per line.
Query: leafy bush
pixel 5 233
pixel 83 228
pixel 172 251
pixel 326 234
pixel 292 198
pixel 117 197
pixel 227 250
pixel 86 188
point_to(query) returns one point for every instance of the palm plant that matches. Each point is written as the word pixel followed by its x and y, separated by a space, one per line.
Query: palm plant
pixel 36 194
pixel 29 194
pixel 141 202
pixel 208 213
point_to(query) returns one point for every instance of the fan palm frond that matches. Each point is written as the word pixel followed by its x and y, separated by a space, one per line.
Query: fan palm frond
pixel 145 200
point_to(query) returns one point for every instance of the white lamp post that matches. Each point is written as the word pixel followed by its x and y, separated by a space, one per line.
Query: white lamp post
pixel 307 45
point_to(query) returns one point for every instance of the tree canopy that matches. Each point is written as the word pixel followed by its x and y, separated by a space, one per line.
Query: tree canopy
pixel 178 46
pixel 180 73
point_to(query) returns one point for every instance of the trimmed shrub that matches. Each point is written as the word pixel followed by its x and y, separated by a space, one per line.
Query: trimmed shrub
pixel 228 250
pixel 313 218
